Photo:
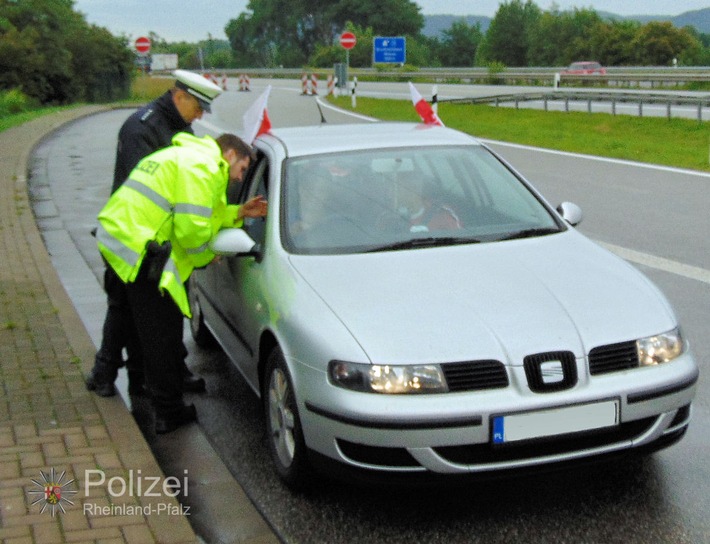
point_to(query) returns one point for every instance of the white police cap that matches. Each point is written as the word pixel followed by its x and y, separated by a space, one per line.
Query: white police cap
pixel 198 86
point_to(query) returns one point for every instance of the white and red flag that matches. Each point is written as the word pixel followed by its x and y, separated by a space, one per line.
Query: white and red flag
pixel 424 109
pixel 256 118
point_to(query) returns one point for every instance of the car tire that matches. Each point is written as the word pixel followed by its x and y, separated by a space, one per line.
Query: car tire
pixel 200 333
pixel 283 426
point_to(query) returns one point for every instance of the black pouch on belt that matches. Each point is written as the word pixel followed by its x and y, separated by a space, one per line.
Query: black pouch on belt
pixel 156 257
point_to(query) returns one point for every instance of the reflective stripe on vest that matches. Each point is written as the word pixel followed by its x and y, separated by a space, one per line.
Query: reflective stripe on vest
pixel 194 209
pixel 155 197
pixel 170 266
pixel 117 247
pixel 197 250
pixel 163 203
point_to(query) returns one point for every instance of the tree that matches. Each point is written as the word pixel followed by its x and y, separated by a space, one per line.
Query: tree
pixel 614 42
pixel 288 33
pixel 563 37
pixel 658 43
pixel 385 17
pixel 50 53
pixel 459 44
pixel 507 38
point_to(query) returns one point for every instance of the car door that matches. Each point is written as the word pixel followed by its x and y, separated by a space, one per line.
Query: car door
pixel 241 300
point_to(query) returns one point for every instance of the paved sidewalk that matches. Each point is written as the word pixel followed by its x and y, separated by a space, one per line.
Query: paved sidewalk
pixel 50 425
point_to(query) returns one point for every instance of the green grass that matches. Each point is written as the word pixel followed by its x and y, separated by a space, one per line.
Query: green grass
pixel 146 88
pixel 681 143
pixel 16 119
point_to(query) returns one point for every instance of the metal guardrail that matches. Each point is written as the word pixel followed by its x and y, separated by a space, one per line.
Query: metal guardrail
pixel 615 77
pixel 590 97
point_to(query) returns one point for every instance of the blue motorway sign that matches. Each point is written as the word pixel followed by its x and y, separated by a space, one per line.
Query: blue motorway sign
pixel 389 50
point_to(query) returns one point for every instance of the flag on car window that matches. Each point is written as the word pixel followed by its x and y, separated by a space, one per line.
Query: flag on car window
pixel 424 109
pixel 256 118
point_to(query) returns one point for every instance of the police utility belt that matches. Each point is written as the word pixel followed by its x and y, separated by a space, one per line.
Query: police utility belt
pixel 156 256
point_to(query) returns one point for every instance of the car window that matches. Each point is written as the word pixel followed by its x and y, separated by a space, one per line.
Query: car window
pixel 256 184
pixel 356 202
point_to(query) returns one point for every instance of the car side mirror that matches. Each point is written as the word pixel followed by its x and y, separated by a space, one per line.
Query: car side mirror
pixel 232 242
pixel 571 213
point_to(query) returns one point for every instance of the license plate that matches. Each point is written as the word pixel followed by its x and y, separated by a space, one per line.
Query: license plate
pixel 556 421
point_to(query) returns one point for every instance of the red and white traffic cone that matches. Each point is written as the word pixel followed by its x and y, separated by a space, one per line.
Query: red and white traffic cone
pixel 331 85
pixel 224 82
pixel 304 84
pixel 314 84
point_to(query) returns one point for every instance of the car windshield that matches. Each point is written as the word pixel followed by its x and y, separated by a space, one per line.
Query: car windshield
pixel 398 199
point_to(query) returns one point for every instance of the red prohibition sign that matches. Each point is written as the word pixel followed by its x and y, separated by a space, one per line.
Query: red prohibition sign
pixel 142 44
pixel 348 40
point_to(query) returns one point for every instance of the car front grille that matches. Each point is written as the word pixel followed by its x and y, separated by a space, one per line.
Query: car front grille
pixel 561 376
pixel 475 375
pixel 613 357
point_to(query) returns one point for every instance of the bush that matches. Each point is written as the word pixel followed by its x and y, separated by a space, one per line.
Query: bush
pixel 494 69
pixel 14 101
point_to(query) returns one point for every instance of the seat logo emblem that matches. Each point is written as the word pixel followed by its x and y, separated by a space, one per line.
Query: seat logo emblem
pixel 552 372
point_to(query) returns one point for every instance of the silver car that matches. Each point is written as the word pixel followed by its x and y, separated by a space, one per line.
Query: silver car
pixel 411 304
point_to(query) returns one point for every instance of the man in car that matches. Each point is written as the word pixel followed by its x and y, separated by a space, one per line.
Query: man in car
pixel 420 201
pixel 154 231
pixel 149 129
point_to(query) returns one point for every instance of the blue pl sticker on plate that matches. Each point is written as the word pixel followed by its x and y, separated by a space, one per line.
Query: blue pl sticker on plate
pixel 498 430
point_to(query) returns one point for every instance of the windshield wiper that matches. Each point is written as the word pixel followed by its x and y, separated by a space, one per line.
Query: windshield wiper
pixel 530 233
pixel 415 243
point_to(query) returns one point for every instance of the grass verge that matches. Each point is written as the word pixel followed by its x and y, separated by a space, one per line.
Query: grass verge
pixel 143 90
pixel 681 143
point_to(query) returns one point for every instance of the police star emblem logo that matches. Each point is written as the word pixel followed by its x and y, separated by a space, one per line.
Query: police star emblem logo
pixel 52 492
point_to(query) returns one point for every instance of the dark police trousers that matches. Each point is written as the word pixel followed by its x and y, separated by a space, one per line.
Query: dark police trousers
pixel 118 331
pixel 159 323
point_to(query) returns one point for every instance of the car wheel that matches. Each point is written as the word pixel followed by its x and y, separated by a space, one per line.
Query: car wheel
pixel 200 333
pixel 283 426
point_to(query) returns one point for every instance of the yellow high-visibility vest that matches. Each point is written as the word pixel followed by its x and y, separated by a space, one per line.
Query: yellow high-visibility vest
pixel 178 194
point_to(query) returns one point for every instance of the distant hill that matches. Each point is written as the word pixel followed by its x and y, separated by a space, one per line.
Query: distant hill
pixel 434 25
pixel 699 18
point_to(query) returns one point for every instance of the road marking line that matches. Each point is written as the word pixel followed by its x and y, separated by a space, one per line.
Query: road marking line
pixel 340 110
pixel 604 159
pixel 659 263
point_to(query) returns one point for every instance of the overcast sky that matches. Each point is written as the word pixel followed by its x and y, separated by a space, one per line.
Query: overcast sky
pixel 193 20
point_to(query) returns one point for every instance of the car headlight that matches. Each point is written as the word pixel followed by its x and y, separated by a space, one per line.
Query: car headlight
pixel 389 379
pixel 661 348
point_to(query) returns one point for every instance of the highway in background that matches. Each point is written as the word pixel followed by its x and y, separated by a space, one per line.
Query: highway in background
pixel 658 216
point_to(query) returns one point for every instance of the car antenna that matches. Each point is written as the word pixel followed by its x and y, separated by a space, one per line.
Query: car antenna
pixel 322 117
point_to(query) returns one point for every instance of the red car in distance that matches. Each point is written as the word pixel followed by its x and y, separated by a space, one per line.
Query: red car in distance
pixel 585 68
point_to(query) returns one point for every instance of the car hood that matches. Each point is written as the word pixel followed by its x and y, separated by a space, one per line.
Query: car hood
pixel 501 300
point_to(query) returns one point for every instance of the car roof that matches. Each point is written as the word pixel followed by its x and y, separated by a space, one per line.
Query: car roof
pixel 327 138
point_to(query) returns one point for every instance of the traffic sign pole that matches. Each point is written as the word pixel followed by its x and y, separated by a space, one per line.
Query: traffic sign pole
pixel 348 41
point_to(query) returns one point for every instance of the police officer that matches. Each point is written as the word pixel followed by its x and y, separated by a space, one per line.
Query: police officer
pixel 154 231
pixel 149 129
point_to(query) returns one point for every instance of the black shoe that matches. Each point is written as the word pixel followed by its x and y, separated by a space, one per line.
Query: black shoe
pixel 187 414
pixel 101 388
pixel 193 384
